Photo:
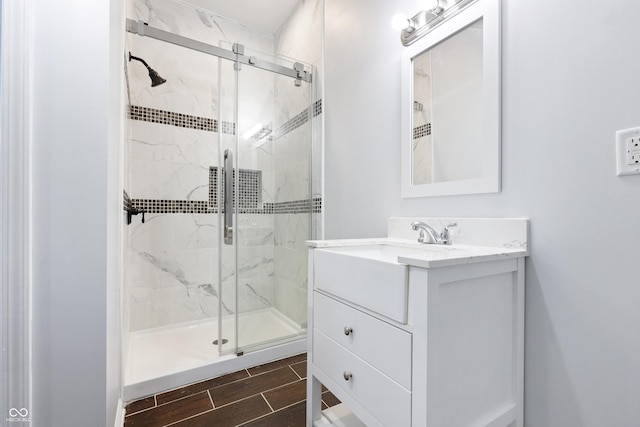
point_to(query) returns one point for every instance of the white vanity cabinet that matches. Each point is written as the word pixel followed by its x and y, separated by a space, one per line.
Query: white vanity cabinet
pixel 371 365
pixel 454 360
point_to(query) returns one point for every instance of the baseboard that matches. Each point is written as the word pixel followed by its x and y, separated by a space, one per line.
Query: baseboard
pixel 119 415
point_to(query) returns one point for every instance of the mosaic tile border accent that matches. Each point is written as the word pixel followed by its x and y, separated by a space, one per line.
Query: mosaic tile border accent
pixel 299 119
pixel 422 130
pixel 317 108
pixel 165 117
pixel 298 206
pixel 316 205
pixel 126 201
pixel 228 127
pixel 154 115
pixel 293 123
pixel 161 206
pixel 172 206
pixel 250 180
pixel 250 199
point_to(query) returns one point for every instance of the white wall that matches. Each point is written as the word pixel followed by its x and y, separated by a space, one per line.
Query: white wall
pixel 570 80
pixel 77 205
pixel 115 216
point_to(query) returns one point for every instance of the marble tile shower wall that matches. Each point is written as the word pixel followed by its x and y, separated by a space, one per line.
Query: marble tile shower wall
pixel 172 266
pixel 173 257
pixel 196 91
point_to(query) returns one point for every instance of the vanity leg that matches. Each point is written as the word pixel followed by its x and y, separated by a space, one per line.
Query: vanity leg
pixel 314 399
pixel 518 342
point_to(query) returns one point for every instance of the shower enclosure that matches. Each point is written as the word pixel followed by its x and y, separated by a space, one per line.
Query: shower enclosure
pixel 220 194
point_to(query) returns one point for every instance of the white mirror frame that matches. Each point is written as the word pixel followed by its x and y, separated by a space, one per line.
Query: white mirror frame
pixel 489 11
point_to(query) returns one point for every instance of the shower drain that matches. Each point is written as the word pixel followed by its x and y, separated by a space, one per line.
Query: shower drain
pixel 224 341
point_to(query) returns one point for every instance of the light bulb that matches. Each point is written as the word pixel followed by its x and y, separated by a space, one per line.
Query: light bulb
pixel 399 22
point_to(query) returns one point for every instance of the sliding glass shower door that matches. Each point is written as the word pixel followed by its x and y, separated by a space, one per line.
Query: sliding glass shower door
pixel 264 256
pixel 217 194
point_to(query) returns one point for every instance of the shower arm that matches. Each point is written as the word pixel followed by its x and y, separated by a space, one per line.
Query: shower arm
pixel 139 59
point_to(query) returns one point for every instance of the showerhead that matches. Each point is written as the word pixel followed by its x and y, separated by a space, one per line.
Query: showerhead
pixel 156 80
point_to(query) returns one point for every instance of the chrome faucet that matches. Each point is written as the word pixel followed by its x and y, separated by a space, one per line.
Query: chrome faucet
pixel 443 238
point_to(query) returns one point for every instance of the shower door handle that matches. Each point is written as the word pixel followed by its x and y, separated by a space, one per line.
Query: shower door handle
pixel 228 197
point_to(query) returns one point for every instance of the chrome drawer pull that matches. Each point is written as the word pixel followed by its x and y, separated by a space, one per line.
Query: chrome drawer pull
pixel 347 375
pixel 348 330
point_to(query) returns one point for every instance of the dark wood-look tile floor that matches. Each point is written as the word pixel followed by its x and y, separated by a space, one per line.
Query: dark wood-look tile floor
pixel 273 394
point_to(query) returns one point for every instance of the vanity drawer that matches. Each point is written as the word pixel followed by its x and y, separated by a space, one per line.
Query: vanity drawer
pixel 386 400
pixel 385 347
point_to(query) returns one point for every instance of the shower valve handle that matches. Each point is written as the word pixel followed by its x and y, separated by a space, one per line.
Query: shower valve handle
pixel 133 211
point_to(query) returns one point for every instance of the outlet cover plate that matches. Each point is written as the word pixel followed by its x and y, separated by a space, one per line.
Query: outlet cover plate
pixel 625 150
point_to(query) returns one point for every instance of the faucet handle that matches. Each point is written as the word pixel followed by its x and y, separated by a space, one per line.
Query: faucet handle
pixel 415 225
pixel 445 236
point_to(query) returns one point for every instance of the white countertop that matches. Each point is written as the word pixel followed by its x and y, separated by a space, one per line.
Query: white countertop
pixel 429 255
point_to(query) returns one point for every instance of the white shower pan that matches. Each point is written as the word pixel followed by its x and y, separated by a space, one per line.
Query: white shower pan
pixel 164 358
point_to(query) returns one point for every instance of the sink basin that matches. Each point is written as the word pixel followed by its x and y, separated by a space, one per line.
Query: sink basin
pixel 389 253
pixel 369 275
pixel 373 275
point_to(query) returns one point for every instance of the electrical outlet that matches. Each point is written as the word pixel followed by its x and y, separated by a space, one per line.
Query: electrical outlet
pixel 628 151
pixel 633 151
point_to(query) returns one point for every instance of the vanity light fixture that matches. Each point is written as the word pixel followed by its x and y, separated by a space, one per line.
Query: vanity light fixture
pixel 427 19
pixel 400 22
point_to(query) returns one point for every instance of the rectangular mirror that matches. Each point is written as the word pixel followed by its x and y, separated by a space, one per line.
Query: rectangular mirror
pixel 451 106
